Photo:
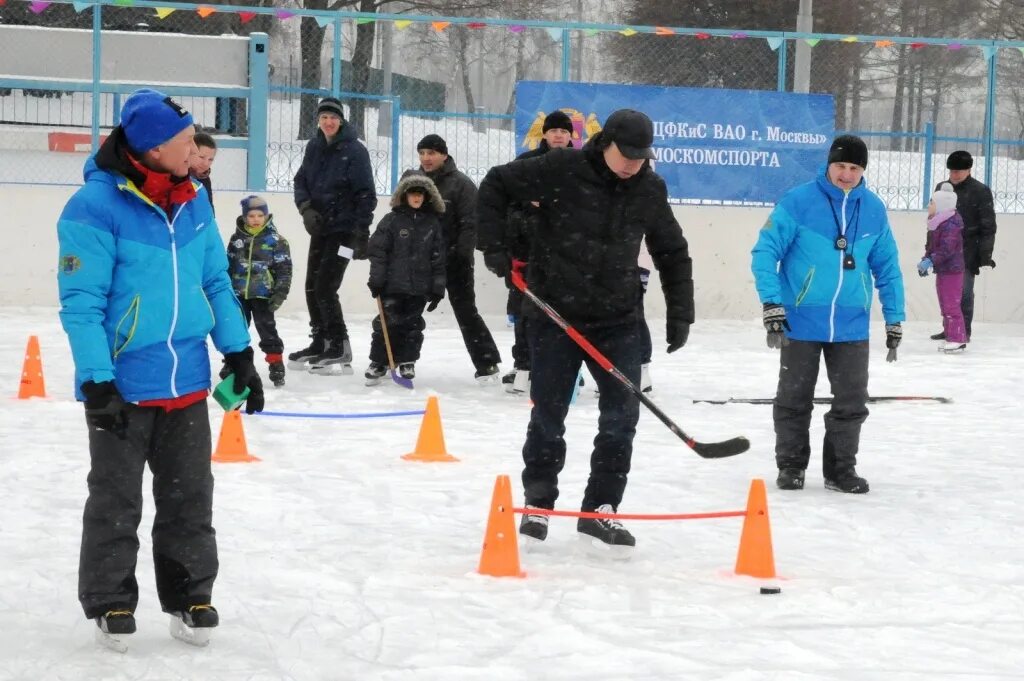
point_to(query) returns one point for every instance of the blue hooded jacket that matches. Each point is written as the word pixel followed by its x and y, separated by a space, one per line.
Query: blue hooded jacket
pixel 140 290
pixel 796 262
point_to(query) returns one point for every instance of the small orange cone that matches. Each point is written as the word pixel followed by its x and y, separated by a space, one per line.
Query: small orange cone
pixel 231 447
pixel 500 554
pixel 32 384
pixel 430 443
pixel 755 557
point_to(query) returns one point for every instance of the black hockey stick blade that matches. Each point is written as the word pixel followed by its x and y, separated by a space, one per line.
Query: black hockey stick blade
pixel 721 450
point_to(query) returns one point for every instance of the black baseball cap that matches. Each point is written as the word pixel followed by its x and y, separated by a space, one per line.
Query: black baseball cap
pixel 632 132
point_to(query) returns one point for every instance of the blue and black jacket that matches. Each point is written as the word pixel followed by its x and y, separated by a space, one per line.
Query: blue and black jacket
pixel 796 261
pixel 140 289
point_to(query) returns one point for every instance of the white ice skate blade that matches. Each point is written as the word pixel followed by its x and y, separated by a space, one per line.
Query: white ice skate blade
pixel 331 369
pixel 296 365
pixel 199 636
pixel 488 380
pixel 116 642
pixel 595 547
pixel 371 382
pixel 530 544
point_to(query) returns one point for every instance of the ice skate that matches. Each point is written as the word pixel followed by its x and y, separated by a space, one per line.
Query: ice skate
pixel 508 379
pixel 847 481
pixel 605 537
pixel 521 384
pixel 277 373
pixel 335 360
pixel 195 625
pixel 790 479
pixel 407 370
pixel 533 529
pixel 952 347
pixel 645 379
pixel 299 360
pixel 487 374
pixel 375 373
pixel 114 628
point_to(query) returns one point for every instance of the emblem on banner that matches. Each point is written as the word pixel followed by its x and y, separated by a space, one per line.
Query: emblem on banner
pixel 583 128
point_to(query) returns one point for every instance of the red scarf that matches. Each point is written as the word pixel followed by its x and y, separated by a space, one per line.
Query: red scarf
pixel 163 189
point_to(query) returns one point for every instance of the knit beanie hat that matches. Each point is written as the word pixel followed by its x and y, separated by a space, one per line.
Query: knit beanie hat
pixel 945 198
pixel 435 142
pixel 149 118
pixel 557 120
pixel 331 105
pixel 848 149
pixel 253 202
pixel 959 160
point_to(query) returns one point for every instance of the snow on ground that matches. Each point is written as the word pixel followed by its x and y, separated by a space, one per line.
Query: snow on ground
pixel 339 560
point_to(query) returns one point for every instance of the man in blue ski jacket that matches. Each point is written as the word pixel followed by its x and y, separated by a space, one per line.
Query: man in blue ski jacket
pixel 143 281
pixel 823 248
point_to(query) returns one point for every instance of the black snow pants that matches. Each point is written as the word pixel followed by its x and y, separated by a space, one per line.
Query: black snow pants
pixel 404 317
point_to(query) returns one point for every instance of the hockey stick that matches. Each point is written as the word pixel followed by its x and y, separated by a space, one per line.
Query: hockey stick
pixel 708 450
pixel 404 382
pixel 828 400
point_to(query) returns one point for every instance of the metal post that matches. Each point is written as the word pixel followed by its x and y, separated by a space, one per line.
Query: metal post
pixel 802 69
pixel 566 54
pixel 259 92
pixel 780 78
pixel 97 75
pixel 929 151
pixel 396 151
pixel 384 105
pixel 990 117
pixel 336 63
pixel 115 115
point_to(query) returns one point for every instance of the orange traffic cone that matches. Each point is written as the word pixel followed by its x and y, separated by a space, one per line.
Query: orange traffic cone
pixel 755 557
pixel 500 555
pixel 32 384
pixel 231 447
pixel 430 443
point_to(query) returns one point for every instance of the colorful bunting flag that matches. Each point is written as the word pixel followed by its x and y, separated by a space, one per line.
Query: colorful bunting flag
pixel 516 28
pixel 476 24
pixel 590 31
pixel 848 39
pixel 323 22
pixel 954 46
pixel 883 43
pixel 738 35
pixel 628 32
pixel 440 25
pixel 164 12
pixel 364 20
pixel 402 24
pixel 79 6
pixel 812 41
pixel 207 11
pixel 124 3
pixel 916 46
pixel 554 33
pixel 663 30
pixel 246 17
pixel 38 7
pixel 1021 50
pixel 283 14
pixel 774 43
pixel 989 51
pixel 702 36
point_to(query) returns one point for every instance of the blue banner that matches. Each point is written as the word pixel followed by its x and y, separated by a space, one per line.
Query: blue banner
pixel 711 144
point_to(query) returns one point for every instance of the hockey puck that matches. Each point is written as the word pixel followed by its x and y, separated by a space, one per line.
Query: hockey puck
pixel 769 590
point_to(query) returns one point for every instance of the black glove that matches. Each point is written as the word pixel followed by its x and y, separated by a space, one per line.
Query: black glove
pixel 989 263
pixel 105 409
pixel 498 262
pixel 376 290
pixel 434 299
pixel 893 336
pixel 275 301
pixel 676 333
pixel 312 221
pixel 244 370
pixel 774 317
pixel 359 244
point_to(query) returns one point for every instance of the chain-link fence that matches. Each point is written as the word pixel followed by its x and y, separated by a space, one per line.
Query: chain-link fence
pixel 403 76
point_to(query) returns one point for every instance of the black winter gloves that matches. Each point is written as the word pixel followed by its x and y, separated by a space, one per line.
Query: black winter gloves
pixel 676 333
pixel 774 318
pixel 434 299
pixel 244 370
pixel 311 220
pixel 360 240
pixel 893 336
pixel 105 409
pixel 498 262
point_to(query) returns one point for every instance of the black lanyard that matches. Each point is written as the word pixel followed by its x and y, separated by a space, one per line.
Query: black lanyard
pixel 841 241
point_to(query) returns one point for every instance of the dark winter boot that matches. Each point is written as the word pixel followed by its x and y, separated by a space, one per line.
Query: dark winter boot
pixel 534 526
pixel 790 478
pixel 407 370
pixel 300 358
pixel 116 622
pixel 336 358
pixel 847 480
pixel 374 373
pixel 941 335
pixel 606 530
pixel 193 626
pixel 276 370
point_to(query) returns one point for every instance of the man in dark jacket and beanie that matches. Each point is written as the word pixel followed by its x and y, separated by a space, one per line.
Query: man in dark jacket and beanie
pixel 522 222
pixel 596 204
pixel 336 195
pixel 459 225
pixel 143 282
pixel 976 207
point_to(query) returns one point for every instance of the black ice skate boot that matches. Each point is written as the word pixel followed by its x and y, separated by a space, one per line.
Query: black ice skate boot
pixel 487 373
pixel 847 480
pixel 790 478
pixel 534 526
pixel 113 628
pixel 335 359
pixel 300 358
pixel 374 373
pixel 407 370
pixel 193 626
pixel 607 535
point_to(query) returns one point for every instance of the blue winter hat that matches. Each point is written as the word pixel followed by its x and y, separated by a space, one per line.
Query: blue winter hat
pixel 149 118
pixel 253 202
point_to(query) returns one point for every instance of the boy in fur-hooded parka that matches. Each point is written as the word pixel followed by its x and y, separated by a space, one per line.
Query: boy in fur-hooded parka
pixel 407 270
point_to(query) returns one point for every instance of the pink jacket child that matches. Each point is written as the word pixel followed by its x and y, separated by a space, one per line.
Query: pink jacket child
pixel 944 254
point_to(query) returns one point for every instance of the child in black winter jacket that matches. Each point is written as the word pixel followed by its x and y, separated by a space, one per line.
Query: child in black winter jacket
pixel 407 271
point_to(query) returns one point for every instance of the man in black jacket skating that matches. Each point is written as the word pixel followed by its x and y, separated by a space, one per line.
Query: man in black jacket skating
pixel 976 207
pixel 597 204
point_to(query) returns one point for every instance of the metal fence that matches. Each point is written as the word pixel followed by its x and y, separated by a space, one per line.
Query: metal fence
pixel 402 76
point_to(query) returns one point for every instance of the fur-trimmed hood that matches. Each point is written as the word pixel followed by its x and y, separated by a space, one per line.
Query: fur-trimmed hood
pixel 416 180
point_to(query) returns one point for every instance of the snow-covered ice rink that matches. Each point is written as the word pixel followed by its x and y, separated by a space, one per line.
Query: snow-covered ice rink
pixel 339 560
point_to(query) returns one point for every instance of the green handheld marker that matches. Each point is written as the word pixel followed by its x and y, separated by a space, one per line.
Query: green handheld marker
pixel 226 396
